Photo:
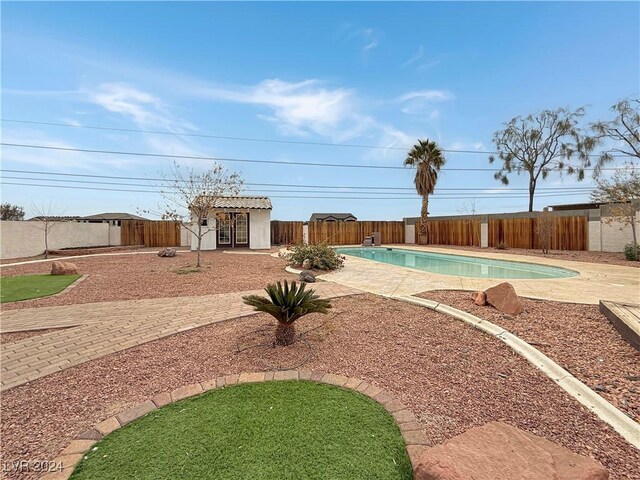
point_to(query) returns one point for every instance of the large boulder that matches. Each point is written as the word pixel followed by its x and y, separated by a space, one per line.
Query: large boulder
pixel 167 252
pixel 63 268
pixel 503 297
pixel 497 451
pixel 307 276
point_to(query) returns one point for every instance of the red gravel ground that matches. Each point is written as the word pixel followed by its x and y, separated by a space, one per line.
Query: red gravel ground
pixel 578 337
pixel 128 277
pixel 576 256
pixel 450 375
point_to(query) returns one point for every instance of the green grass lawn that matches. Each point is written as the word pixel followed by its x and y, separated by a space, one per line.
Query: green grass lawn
pixel 26 287
pixel 294 430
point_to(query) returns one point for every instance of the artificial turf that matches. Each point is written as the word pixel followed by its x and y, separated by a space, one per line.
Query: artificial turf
pixel 26 287
pixel 273 430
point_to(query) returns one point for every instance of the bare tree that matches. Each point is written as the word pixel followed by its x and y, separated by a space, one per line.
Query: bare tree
pixel 190 198
pixel 622 193
pixel 470 209
pixel 46 220
pixel 9 211
pixel 623 132
pixel 545 227
pixel 541 143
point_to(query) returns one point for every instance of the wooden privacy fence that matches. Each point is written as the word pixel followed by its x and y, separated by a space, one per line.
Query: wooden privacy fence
pixel 283 233
pixel 568 233
pixel 353 233
pixel 150 233
pixel 451 232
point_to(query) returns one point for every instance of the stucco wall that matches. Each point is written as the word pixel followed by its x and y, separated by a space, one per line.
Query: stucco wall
pixel 208 239
pixel 26 239
pixel 259 229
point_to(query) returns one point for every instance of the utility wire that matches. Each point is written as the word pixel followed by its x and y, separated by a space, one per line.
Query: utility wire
pixel 173 187
pixel 171 181
pixel 244 139
pixel 242 160
pixel 281 196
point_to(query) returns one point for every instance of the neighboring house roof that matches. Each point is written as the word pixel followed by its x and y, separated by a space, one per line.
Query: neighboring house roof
pixel 581 206
pixel 336 217
pixel 263 203
pixel 113 216
pixel 55 218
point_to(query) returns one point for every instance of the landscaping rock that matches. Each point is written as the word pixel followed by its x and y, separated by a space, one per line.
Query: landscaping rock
pixel 479 298
pixel 64 268
pixel 167 252
pixel 307 276
pixel 497 451
pixel 306 265
pixel 504 298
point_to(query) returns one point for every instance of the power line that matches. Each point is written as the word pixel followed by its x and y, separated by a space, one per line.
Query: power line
pixel 148 179
pixel 283 196
pixel 172 187
pixel 244 139
pixel 242 160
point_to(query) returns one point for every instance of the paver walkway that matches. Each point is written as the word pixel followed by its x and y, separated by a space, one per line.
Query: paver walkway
pixel 98 329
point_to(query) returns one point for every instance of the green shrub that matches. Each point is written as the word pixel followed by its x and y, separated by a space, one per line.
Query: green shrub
pixel 320 256
pixel 630 252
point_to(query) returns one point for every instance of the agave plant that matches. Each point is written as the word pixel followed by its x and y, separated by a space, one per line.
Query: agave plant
pixel 287 304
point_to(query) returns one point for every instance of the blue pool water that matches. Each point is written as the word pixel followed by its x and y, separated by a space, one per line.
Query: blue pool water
pixel 458 265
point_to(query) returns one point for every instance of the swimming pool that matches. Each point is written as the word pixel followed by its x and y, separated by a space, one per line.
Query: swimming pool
pixel 458 265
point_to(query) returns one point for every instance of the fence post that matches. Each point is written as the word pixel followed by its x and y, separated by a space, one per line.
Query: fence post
pixel 305 234
pixel 484 231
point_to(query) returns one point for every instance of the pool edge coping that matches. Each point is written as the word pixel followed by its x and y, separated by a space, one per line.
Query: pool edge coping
pixel 427 252
pixel 412 431
pixel 625 426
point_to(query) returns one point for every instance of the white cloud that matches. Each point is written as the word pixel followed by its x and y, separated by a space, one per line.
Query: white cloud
pixel 54 158
pixel 416 56
pixel 144 109
pixel 420 102
pixel 367 38
pixel 298 108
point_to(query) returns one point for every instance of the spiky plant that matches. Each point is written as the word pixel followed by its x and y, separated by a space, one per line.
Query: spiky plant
pixel 287 304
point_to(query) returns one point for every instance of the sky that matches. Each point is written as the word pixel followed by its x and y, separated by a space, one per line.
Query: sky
pixel 297 82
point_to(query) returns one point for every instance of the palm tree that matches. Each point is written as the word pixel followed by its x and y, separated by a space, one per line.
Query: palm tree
pixel 428 159
pixel 287 304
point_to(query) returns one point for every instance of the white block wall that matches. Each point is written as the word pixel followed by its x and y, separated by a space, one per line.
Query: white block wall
pixel 615 235
pixel 409 234
pixel 26 239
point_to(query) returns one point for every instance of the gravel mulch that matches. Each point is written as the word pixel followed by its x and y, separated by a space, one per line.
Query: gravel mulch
pixel 578 337
pixel 129 277
pixel 450 375
pixel 16 336
pixel 611 258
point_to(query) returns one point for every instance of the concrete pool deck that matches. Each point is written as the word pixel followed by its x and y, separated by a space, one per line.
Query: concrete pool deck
pixel 595 281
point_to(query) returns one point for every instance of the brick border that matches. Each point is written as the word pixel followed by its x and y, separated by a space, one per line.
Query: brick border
pixel 413 432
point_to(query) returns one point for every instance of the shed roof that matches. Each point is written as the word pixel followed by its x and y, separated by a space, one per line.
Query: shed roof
pixel 262 203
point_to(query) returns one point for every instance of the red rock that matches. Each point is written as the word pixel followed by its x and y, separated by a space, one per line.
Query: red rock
pixel 64 268
pixel 503 297
pixel 497 451
pixel 479 298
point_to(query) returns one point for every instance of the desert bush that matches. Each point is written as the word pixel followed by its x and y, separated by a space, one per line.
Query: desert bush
pixel 631 251
pixel 502 245
pixel 320 256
